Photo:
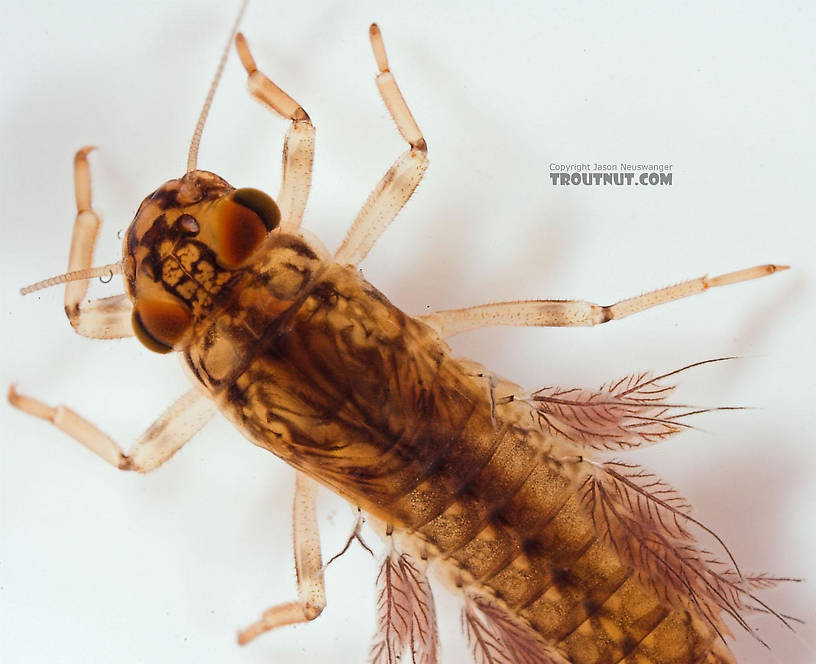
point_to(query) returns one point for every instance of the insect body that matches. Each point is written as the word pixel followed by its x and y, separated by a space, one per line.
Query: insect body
pixel 562 556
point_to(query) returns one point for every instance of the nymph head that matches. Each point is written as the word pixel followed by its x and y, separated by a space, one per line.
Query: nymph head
pixel 186 247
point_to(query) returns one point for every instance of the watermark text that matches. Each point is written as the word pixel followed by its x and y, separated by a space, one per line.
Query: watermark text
pixel 622 174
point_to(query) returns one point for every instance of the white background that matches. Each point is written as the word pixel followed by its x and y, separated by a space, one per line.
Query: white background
pixel 101 566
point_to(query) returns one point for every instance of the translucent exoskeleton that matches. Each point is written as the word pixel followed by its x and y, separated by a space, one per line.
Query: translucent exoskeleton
pixel 494 294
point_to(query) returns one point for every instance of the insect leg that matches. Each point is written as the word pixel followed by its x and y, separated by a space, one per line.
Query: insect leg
pixel 397 185
pixel 308 567
pixel 107 318
pixel 577 313
pixel 298 146
pixel 157 444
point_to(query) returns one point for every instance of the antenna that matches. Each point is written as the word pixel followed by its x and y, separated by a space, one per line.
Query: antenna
pixel 192 156
pixel 76 275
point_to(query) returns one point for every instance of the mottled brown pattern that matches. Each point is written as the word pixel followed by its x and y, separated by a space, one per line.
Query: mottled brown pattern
pixel 167 252
pixel 314 364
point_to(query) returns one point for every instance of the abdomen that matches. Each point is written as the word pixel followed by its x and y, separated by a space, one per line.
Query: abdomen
pixel 519 530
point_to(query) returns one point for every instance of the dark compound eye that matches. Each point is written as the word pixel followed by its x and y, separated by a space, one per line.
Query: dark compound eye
pixel 260 204
pixel 244 218
pixel 237 232
pixel 159 322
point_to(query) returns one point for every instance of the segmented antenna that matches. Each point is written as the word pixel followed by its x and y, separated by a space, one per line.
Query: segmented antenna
pixel 192 156
pixel 76 275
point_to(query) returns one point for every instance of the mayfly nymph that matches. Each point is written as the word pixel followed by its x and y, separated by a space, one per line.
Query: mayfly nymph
pixel 561 554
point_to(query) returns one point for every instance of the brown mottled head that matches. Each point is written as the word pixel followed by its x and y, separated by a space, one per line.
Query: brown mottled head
pixel 186 248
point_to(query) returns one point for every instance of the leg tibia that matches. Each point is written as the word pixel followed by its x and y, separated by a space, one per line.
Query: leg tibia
pixel 161 441
pixel 308 566
pixel 578 313
pixel 399 183
pixel 108 318
pixel 85 232
pixel 391 95
pixel 298 146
